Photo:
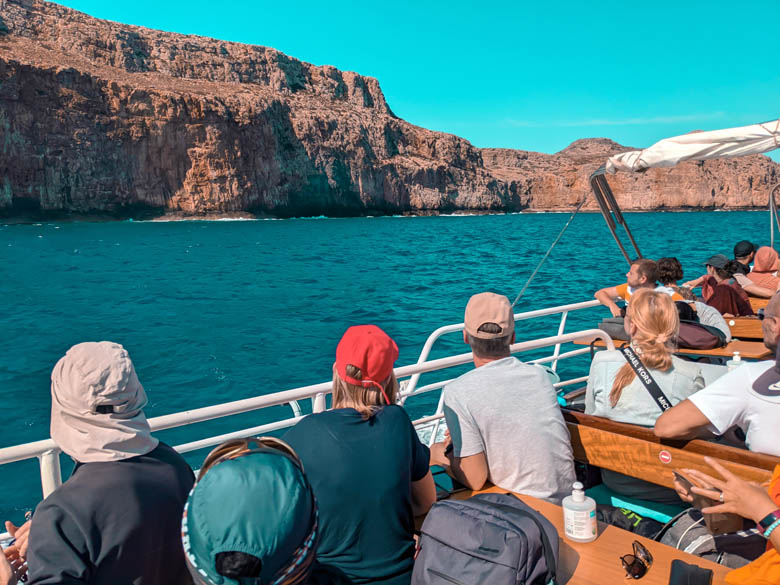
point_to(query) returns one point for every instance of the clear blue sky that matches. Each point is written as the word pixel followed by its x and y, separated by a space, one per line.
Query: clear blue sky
pixel 529 75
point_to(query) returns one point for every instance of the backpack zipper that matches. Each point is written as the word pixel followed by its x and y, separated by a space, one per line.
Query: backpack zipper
pixel 445 577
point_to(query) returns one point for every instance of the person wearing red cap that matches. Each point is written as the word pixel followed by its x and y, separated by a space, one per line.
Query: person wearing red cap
pixel 368 468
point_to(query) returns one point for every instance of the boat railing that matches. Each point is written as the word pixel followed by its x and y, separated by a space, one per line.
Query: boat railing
pixel 47 453
pixel 412 389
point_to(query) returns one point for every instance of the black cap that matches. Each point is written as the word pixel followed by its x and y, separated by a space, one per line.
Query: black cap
pixel 717 261
pixel 743 249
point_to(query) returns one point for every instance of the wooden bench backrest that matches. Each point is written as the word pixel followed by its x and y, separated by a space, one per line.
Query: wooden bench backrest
pixel 637 452
pixel 758 303
pixel 745 328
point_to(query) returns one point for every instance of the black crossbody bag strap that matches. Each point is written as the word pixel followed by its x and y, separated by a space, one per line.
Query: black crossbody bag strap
pixel 647 380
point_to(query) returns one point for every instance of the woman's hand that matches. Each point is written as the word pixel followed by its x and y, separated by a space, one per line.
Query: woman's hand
pixel 12 567
pixel 21 534
pixel 439 452
pixel 682 491
pixel 736 495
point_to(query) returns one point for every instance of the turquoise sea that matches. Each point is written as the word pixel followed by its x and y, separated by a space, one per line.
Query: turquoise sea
pixel 213 311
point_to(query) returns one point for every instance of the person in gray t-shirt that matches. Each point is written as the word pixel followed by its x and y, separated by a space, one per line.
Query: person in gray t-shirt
pixel 503 417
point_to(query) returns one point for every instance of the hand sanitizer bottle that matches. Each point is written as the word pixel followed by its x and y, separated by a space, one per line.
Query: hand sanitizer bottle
pixel 734 362
pixel 579 516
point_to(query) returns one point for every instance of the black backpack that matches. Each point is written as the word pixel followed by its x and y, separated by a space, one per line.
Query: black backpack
pixel 489 538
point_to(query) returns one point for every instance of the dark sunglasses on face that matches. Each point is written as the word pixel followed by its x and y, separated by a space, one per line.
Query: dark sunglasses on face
pixel 637 564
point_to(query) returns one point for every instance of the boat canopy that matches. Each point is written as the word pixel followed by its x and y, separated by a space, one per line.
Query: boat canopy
pixel 728 143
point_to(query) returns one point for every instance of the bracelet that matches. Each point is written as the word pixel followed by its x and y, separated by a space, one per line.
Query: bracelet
pixel 767 520
pixel 768 531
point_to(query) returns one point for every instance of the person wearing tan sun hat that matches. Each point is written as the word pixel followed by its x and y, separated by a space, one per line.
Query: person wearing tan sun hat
pixel 117 519
pixel 503 417
pixel 367 467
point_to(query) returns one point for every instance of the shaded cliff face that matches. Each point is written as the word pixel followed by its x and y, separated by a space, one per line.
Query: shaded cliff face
pixel 99 117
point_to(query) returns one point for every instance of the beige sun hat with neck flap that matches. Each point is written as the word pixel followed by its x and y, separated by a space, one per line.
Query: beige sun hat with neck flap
pixel 97 405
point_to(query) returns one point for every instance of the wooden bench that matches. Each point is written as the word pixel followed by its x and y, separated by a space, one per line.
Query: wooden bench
pixel 758 303
pixel 745 328
pixel 598 562
pixel 636 451
pixel 752 350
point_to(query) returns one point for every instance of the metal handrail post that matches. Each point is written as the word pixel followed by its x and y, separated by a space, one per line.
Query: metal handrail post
pixel 557 350
pixel 318 403
pixel 51 474
pixel 439 410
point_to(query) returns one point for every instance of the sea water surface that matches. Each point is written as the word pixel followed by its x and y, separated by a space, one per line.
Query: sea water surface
pixel 213 311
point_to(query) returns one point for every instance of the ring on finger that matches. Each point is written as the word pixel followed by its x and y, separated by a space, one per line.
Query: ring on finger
pixel 722 497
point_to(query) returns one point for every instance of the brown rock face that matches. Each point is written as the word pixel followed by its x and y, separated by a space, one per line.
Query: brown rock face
pixel 100 117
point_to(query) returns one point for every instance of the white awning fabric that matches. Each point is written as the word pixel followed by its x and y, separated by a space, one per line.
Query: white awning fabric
pixel 727 143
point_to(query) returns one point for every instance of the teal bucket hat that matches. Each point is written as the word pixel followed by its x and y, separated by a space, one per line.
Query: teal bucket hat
pixel 259 503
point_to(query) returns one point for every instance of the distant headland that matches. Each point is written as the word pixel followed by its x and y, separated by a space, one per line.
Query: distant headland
pixel 104 119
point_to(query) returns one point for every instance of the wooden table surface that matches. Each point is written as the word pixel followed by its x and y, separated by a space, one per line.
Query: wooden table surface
pixel 752 350
pixel 598 562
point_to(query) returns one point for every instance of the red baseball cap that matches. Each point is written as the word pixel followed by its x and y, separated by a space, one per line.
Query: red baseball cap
pixel 369 349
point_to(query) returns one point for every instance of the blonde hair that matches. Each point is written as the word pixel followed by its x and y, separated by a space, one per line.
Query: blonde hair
pixel 367 401
pixel 657 324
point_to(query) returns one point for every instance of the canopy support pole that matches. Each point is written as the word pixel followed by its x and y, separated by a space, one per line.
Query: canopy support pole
pixel 610 210
pixel 773 215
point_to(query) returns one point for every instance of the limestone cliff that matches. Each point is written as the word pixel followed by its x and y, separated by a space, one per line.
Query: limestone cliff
pixel 100 117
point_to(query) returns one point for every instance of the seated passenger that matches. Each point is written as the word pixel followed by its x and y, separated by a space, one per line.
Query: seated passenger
pixel 669 272
pixel 705 314
pixel 764 273
pixel 643 274
pixel 711 316
pixel 721 270
pixel 252 516
pixel 747 397
pixel 615 392
pixel 749 501
pixel 613 389
pixel 367 467
pixel 117 519
pixel 503 416
pixel 744 252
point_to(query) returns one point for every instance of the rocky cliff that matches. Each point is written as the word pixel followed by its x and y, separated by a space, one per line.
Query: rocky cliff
pixel 100 117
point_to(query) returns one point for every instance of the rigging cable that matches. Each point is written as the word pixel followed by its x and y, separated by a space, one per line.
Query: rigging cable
pixel 547 253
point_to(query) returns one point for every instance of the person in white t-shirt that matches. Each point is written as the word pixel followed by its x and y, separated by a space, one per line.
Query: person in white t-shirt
pixel 503 416
pixel 747 397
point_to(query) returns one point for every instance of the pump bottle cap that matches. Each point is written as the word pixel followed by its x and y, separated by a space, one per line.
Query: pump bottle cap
pixel 578 495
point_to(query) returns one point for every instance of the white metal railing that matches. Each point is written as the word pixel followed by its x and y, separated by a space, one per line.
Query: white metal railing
pixel 47 452
pixel 562 310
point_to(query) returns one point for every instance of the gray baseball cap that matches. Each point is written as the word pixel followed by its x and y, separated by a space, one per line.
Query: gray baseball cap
pixel 717 261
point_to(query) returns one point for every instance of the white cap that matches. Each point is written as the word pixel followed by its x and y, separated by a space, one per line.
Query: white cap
pixel 578 495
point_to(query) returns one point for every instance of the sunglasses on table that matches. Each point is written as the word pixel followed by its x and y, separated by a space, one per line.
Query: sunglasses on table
pixel 637 564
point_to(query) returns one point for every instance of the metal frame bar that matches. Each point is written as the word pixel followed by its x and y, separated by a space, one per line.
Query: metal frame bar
pixel 610 210
pixel 773 212
pixel 433 337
